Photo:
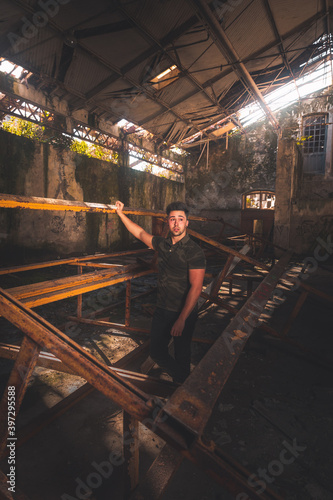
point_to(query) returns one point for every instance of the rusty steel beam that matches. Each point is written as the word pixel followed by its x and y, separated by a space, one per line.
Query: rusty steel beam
pixel 37 203
pixel 226 48
pixel 193 402
pixel 36 294
pixel 102 265
pixel 73 261
pixel 102 322
pixel 311 289
pixel 150 385
pixel 130 453
pixel 79 297
pixel 301 299
pixel 228 250
pixel 45 359
pixel 119 326
pixel 128 303
pixel 136 402
pixel 50 286
pixel 12 398
pixel 94 314
pixel 32 428
pixel 208 289
pixel 318 293
pixel 221 277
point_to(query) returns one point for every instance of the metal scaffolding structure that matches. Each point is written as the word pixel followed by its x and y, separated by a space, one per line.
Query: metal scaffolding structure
pixel 181 416
pixel 16 106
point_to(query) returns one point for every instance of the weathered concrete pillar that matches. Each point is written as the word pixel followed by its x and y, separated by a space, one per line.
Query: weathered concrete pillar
pixel 288 168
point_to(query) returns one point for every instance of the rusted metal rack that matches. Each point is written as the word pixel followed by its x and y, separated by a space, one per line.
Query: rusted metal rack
pixel 181 419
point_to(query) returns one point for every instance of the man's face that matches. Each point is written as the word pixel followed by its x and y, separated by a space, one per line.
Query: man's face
pixel 177 222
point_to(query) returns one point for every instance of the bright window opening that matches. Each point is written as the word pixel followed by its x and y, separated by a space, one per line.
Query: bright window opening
pixel 165 78
pixel 260 200
pixel 281 98
pixel 314 143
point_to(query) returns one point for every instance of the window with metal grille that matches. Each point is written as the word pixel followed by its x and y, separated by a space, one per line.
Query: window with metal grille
pixel 314 145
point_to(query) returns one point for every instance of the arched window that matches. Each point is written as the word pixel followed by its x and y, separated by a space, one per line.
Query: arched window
pixel 314 145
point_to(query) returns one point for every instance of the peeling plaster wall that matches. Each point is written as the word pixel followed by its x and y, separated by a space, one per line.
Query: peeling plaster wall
pixel 214 188
pixel 32 168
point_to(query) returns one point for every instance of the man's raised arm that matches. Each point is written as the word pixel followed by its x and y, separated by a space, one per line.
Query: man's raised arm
pixel 134 228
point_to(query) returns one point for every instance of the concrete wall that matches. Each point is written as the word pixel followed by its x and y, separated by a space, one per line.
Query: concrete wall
pixel 304 203
pixel 33 168
pixel 214 185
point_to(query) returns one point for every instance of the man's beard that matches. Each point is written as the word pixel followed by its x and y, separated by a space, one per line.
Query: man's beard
pixel 178 233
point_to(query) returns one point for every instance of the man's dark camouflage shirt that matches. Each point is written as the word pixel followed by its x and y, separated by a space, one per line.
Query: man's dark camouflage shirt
pixel 174 262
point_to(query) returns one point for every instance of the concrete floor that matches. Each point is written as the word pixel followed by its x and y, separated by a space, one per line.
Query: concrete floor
pixel 274 415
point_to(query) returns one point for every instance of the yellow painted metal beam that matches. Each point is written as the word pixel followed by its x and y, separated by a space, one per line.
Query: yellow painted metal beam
pixel 46 294
pixel 36 203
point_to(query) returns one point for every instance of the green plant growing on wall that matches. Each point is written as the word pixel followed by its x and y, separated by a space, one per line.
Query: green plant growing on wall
pixel 80 147
pixel 58 139
pixel 24 128
pixel 94 151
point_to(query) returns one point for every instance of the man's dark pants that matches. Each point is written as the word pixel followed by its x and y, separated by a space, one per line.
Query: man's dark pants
pixel 179 367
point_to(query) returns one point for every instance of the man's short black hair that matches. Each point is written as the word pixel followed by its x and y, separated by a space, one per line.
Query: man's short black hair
pixel 177 205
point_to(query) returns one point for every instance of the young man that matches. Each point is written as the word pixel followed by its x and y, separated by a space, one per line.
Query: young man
pixel 181 270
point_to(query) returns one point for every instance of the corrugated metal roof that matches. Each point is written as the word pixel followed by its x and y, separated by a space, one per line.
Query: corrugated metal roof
pixel 290 14
pixel 159 17
pixel 78 67
pixel 102 54
pixel 250 29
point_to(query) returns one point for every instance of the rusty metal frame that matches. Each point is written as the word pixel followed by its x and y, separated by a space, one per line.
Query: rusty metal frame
pixel 19 107
pixel 151 385
pixel 38 203
pixel 46 292
pixel 179 428
pixel 83 261
pixel 182 419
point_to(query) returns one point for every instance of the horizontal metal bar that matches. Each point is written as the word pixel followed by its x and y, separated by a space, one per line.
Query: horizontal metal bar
pixel 37 203
pixel 73 261
pixel 102 322
pixel 72 291
pixel 151 385
pixel 19 378
pixel 101 377
pixel 44 287
pixel 45 359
